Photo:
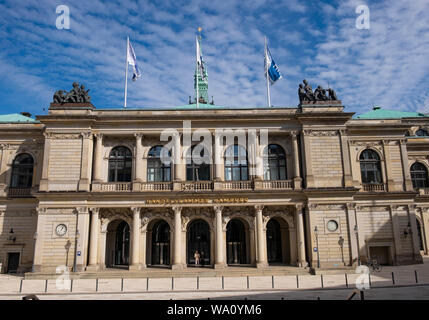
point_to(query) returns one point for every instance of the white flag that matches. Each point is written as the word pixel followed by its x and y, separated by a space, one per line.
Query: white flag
pixel 132 60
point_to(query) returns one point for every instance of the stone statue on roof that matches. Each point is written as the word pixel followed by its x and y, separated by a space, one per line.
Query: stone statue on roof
pixel 75 95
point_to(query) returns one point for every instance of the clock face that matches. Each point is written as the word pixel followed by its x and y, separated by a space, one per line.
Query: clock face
pixel 61 229
pixel 332 225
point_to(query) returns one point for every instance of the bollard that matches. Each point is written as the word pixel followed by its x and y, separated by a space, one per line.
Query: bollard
pixel 272 282
pixel 321 280
pixel 282 298
pixel 46 285
pixel 20 286
pixel 369 279
pixel 71 285
pixel 347 281
pixel 297 282
pixel 122 284
pixel 96 285
pixel 393 278
pixel 247 282
pixel 147 284
pixel 362 295
pixel 415 275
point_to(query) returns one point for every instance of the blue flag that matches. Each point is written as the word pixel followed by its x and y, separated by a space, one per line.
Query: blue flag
pixel 273 70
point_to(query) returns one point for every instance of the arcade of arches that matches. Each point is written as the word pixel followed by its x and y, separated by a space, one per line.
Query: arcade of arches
pixel 179 237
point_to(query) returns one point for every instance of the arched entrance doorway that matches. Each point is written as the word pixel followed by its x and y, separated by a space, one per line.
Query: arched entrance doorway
pixel 278 242
pixel 198 239
pixel 161 243
pixel 236 242
pixel 118 244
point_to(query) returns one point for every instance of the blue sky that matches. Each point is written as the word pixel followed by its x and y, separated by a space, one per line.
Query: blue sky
pixel 387 65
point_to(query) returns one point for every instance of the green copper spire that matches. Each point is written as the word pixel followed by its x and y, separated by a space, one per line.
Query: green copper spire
pixel 203 84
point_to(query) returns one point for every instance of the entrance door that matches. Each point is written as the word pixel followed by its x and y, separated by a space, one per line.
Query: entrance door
pixel 12 262
pixel 161 243
pixel 198 236
pixel 381 254
pixel 236 242
pixel 274 242
pixel 122 246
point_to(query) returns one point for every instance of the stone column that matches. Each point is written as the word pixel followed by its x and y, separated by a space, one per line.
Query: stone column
pixel 416 246
pixel 138 163
pixel 390 182
pixel 177 256
pixel 98 158
pixel 345 155
pixel 297 180
pixel 135 244
pixel 38 246
pixel 218 163
pixel 179 163
pixel 82 239
pixel 404 159
pixel 309 178
pixel 219 257
pixel 396 233
pixel 261 261
pixel 351 222
pixel 45 170
pixel 86 162
pixel 93 240
pixel 301 238
pixel 424 215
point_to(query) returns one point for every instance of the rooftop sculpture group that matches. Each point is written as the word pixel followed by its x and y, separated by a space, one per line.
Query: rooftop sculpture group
pixel 306 94
pixel 75 95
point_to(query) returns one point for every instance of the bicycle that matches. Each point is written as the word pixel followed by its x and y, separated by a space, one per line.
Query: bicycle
pixel 374 265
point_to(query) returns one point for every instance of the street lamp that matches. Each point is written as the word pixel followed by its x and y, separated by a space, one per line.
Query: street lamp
pixel 75 249
pixel 35 253
pixel 316 232
pixel 357 242
pixel 341 243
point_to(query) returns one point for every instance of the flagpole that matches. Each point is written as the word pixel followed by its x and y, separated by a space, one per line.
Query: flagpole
pixel 197 72
pixel 126 74
pixel 266 74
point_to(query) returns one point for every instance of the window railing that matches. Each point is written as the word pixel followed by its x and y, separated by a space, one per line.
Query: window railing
pixel 277 184
pixel 115 186
pixel 19 192
pixel 156 186
pixel 374 187
pixel 196 186
pixel 424 191
pixel 237 185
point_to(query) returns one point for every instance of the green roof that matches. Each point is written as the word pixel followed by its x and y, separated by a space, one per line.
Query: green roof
pixel 378 113
pixel 16 117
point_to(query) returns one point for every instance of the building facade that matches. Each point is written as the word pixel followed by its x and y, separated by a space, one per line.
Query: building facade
pixel 87 188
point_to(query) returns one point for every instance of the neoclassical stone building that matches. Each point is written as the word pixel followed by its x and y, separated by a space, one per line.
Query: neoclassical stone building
pixel 86 187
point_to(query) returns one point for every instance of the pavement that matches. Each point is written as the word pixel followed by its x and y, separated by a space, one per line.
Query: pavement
pixel 399 282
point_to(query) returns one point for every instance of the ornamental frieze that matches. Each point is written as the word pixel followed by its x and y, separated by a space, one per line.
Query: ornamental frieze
pixel 62 136
pixel 365 143
pixel 108 214
pixel 189 213
pixel 321 133
pixel 162 213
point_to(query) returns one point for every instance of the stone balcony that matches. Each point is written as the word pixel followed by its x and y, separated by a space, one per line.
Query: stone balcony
pixel 191 186
pixel 20 192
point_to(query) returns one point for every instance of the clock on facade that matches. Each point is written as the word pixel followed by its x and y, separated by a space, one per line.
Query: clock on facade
pixel 332 225
pixel 61 229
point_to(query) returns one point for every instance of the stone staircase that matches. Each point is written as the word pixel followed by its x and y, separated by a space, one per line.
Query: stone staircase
pixel 168 273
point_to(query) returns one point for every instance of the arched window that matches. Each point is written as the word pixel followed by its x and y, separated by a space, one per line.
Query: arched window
pixel 274 163
pixel 197 164
pixel 419 175
pixel 120 164
pixel 158 170
pixel 370 167
pixel 22 171
pixel 422 133
pixel 236 168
